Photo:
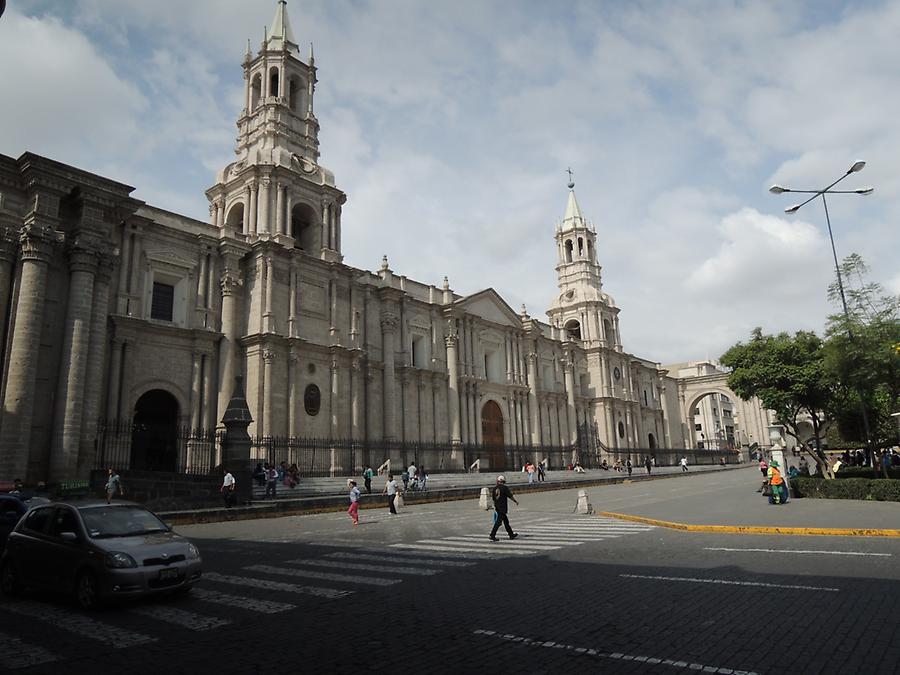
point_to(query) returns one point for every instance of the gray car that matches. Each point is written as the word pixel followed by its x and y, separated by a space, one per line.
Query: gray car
pixel 97 551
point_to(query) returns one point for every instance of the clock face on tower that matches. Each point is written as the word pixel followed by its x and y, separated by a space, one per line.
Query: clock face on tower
pixel 617 373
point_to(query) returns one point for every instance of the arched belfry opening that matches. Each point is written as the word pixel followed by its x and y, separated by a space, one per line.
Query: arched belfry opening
pixel 568 250
pixel 492 434
pixel 273 81
pixel 305 228
pixel 154 435
pixel 255 91
pixel 234 221
pixel 573 329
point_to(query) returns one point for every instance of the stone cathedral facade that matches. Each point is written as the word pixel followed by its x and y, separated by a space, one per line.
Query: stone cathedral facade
pixel 119 310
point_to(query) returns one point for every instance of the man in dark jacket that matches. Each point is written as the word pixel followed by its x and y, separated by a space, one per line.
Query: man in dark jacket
pixel 500 494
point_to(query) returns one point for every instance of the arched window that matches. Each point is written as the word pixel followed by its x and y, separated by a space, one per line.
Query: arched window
pixel 234 221
pixel 273 82
pixel 573 329
pixel 305 228
pixel 568 250
pixel 255 91
pixel 608 331
pixel 590 250
pixel 294 90
pixel 580 247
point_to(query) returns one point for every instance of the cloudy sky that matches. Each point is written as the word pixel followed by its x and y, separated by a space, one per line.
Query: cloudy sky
pixel 450 125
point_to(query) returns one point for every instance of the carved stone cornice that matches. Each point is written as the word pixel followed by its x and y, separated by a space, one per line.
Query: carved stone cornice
pixel 38 242
pixel 389 322
pixel 451 340
pixel 230 283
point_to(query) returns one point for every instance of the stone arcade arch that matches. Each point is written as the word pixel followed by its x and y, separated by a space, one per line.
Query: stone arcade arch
pixel 306 228
pixel 154 436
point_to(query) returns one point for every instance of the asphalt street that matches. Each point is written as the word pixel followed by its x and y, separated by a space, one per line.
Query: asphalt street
pixel 425 591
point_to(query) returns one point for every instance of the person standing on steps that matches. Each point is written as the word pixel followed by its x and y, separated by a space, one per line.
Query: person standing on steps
pixel 368 474
pixel 500 494
pixel 648 463
pixel 684 464
pixel 355 495
pixel 390 489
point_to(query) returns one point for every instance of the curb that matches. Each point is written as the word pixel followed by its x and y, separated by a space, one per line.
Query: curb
pixel 758 529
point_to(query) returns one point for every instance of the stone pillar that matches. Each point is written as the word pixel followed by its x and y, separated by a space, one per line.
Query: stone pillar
pixel 228 344
pixel 124 270
pixel 252 227
pixel 293 396
pixel 18 401
pixel 96 355
pixel 335 396
pixel 245 225
pixel 268 363
pixel 452 342
pixel 604 375
pixel 196 387
pixel 201 291
pixel 618 335
pixel 113 388
pixel 476 415
pixel 388 328
pixel 532 398
pixel 355 397
pixel 293 324
pixel 665 414
pixel 236 442
pixel 288 207
pixel 570 401
pixel 279 208
pixel 326 229
pixel 69 408
pixel 220 214
pixel 262 223
pixel 8 247
pixel 268 316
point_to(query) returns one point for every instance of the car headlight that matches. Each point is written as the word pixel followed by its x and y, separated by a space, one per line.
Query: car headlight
pixel 119 560
pixel 193 552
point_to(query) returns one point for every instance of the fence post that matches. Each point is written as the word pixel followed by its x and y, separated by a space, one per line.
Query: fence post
pixel 236 442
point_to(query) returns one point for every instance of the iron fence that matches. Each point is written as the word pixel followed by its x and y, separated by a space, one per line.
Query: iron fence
pixel 132 445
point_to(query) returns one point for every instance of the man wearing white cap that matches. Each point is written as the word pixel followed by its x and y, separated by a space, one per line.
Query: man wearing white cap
pixel 500 494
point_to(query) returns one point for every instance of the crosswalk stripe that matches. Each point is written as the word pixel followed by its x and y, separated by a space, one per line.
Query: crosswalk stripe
pixel 442 555
pixel 396 569
pixel 488 545
pixel 393 558
pixel 239 601
pixel 541 536
pixel 180 617
pixel 16 654
pixel 458 549
pixel 478 539
pixel 269 585
pixel 591 528
pixel 79 624
pixel 324 576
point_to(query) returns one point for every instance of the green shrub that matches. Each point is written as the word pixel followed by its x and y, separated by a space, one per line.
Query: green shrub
pixel 865 472
pixel 848 488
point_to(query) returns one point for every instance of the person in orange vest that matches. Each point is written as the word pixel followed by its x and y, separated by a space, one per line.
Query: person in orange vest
pixel 776 481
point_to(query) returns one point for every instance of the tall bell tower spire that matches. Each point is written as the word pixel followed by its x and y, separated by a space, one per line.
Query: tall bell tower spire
pixel 581 310
pixel 276 189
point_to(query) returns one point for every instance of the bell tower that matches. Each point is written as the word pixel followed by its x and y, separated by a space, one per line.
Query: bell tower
pixel 276 189
pixel 581 310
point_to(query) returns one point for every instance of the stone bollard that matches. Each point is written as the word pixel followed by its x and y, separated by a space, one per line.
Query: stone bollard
pixel 484 501
pixel 584 506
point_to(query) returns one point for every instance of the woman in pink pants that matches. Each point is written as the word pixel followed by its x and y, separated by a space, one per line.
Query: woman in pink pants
pixel 354 503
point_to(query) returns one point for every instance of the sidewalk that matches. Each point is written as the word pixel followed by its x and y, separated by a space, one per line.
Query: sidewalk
pixel 330 494
pixel 740 509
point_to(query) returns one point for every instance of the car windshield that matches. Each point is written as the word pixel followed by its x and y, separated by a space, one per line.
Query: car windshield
pixel 120 521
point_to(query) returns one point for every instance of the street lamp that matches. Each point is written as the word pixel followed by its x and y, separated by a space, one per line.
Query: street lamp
pixel 778 189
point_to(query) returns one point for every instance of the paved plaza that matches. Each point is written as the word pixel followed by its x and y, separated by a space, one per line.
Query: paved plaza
pixel 426 590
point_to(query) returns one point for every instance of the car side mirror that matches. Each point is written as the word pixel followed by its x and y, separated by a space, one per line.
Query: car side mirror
pixel 70 537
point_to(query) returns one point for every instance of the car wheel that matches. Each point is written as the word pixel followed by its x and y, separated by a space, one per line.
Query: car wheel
pixel 87 592
pixel 9 580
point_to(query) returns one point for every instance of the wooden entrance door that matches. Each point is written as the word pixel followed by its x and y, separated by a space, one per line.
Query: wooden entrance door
pixel 492 434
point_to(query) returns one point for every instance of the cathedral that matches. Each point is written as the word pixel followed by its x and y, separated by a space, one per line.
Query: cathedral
pixel 123 315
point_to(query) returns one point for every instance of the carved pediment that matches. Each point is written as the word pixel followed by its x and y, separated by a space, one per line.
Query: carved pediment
pixel 490 306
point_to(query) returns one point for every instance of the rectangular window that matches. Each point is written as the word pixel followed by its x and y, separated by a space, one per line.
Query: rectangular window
pixel 163 301
pixel 698 427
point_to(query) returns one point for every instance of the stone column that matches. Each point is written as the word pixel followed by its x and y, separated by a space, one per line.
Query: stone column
pixel 124 269
pixel 69 406
pixel 293 324
pixel 196 388
pixel 476 415
pixel 326 230
pixel 96 355
pixel 452 342
pixel 665 414
pixel 252 223
pixel 8 247
pixel 335 396
pixel 268 316
pixel 201 291
pixel 268 362
pixel 279 208
pixel 604 375
pixel 293 397
pixel 262 223
pixel 220 214
pixel 228 344
pixel 532 398
pixel 245 226
pixel 355 397
pixel 114 385
pixel 18 401
pixel 570 401
pixel 618 335
pixel 388 328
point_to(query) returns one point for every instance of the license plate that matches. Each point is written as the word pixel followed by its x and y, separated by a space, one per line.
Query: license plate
pixel 168 575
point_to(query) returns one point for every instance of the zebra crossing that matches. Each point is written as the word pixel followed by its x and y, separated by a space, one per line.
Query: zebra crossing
pixel 281 586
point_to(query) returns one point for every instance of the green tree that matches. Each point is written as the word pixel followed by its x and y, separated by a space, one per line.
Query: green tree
pixel 787 374
pixel 861 355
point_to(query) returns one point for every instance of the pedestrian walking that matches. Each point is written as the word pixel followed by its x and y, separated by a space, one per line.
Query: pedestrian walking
pixel 355 496
pixel 113 485
pixel 541 471
pixel 423 477
pixel 776 482
pixel 227 489
pixel 684 464
pixel 628 466
pixel 648 463
pixel 271 481
pixel 413 474
pixel 530 468
pixel 500 494
pixel 390 489
pixel 368 474
pixel 405 477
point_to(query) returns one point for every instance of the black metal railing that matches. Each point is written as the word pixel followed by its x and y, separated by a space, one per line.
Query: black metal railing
pixel 132 445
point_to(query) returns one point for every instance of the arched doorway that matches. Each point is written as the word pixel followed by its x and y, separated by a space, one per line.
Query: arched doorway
pixel 492 434
pixel 154 435
pixel 651 441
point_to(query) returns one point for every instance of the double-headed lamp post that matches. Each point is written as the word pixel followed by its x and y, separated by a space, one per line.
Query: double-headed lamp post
pixel 778 189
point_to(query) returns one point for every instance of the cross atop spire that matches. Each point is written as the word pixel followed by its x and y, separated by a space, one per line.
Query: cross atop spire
pixel 281 36
pixel 571 182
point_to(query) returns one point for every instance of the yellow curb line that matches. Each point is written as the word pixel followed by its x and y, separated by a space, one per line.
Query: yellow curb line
pixel 757 529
